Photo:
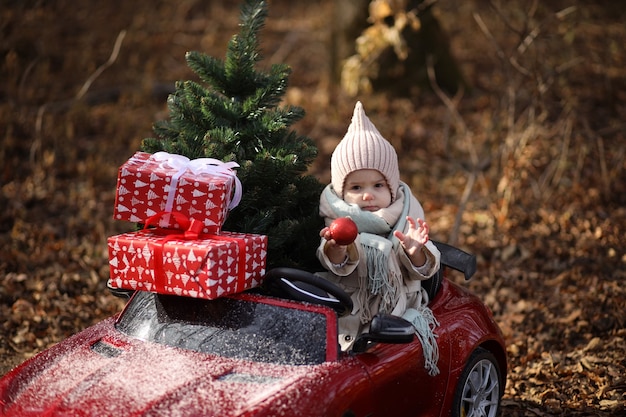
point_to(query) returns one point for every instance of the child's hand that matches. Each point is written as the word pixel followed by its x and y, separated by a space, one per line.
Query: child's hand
pixel 336 253
pixel 414 240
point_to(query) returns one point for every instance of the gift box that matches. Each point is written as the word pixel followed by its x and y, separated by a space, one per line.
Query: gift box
pixel 150 185
pixel 207 267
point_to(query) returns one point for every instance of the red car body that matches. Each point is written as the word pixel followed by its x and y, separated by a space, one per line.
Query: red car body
pixel 103 372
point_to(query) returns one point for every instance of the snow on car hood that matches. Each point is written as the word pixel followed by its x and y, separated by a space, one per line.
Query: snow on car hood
pixel 105 376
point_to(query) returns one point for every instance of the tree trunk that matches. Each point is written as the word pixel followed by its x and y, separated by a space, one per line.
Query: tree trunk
pixel 396 76
pixel 349 20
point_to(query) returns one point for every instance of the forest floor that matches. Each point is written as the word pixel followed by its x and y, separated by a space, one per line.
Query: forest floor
pixel 527 169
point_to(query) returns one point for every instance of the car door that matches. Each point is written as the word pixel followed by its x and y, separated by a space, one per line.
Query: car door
pixel 400 383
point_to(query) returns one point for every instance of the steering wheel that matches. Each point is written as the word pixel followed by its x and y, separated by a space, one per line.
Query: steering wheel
pixel 299 285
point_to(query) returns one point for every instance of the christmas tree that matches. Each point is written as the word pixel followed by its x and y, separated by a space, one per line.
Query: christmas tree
pixel 235 115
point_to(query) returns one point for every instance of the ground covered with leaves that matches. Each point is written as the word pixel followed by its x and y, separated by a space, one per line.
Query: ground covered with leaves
pixel 526 169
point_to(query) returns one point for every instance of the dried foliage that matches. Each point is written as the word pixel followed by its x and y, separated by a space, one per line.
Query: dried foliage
pixel 377 38
pixel 527 169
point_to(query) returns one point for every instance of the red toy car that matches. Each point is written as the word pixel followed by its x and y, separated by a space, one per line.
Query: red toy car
pixel 256 354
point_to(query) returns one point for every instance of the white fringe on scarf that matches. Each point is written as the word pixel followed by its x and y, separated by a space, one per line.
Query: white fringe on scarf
pixel 425 322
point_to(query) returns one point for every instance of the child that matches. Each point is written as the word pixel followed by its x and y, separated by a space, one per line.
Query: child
pixel 383 268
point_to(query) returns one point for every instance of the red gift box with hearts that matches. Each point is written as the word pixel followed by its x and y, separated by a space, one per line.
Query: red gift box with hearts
pixel 209 266
pixel 151 184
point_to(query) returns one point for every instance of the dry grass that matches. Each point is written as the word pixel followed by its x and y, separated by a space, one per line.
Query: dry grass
pixel 527 170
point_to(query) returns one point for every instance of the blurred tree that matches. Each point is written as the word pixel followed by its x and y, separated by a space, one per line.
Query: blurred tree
pixel 387 45
pixel 235 116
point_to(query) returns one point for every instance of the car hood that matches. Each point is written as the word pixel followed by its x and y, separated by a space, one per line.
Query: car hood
pixel 102 373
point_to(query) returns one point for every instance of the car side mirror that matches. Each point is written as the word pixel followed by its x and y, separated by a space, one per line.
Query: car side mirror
pixel 385 328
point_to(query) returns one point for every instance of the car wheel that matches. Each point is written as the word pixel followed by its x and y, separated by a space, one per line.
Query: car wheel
pixel 479 389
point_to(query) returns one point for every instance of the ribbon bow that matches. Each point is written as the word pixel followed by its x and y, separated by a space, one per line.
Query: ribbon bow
pixel 191 230
pixel 198 166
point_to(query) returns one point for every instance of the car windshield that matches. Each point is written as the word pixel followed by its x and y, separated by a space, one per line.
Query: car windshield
pixel 230 327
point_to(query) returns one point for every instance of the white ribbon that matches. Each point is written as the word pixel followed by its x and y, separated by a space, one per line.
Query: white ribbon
pixel 198 166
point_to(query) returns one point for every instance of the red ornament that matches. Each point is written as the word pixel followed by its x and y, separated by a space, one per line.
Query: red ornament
pixel 343 230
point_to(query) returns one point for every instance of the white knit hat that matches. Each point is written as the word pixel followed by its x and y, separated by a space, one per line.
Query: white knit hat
pixel 363 147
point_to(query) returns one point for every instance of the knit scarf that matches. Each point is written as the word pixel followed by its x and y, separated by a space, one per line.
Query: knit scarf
pixel 382 274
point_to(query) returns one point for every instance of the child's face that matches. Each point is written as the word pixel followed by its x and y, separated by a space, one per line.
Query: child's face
pixel 368 189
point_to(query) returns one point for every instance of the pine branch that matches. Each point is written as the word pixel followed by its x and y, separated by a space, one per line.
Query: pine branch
pixel 209 69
